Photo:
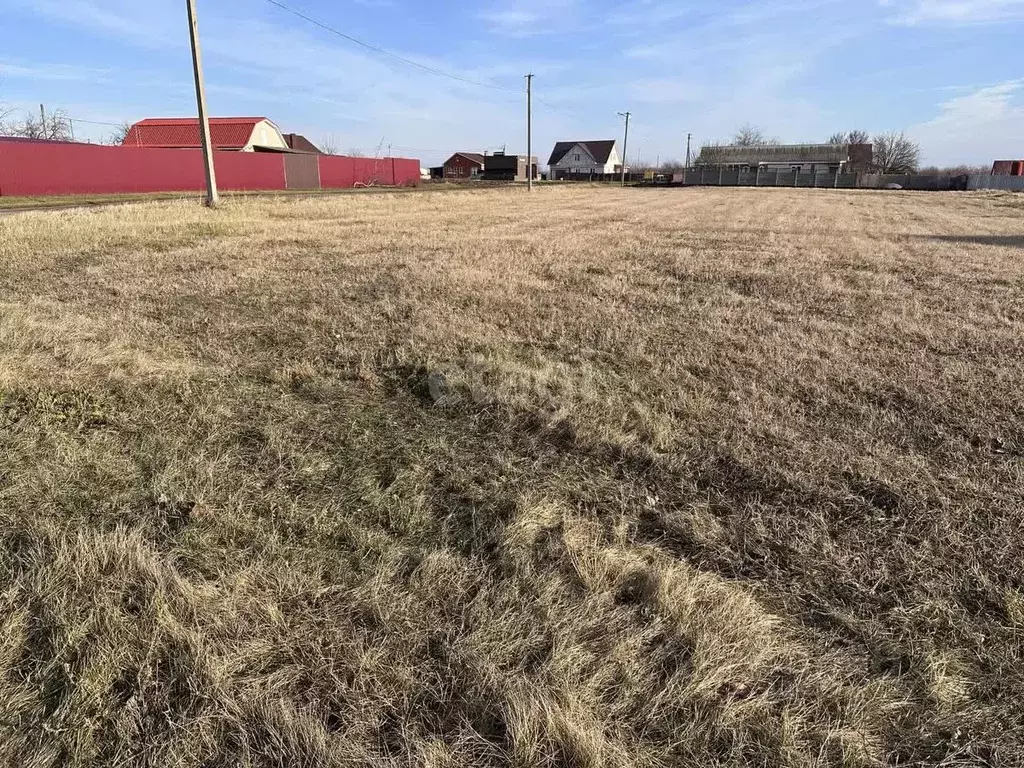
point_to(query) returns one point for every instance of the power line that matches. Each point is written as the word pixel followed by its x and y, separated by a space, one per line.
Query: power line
pixel 94 122
pixel 389 54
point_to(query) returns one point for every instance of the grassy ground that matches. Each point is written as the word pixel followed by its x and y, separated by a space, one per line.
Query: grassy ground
pixel 19 204
pixel 716 478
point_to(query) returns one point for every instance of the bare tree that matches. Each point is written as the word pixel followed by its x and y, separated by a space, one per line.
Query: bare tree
pixel 895 153
pixel 118 135
pixel 5 112
pixel 751 136
pixel 853 137
pixel 329 145
pixel 356 152
pixel 955 170
pixel 57 127
pixel 748 136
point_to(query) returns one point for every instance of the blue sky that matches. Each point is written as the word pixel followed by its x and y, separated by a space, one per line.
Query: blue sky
pixel 948 72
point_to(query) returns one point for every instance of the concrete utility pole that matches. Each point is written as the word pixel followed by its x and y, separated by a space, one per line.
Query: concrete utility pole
pixel 625 145
pixel 688 149
pixel 204 122
pixel 529 131
pixel 42 121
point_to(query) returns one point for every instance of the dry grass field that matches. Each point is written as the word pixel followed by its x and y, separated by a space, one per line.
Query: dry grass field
pixel 714 478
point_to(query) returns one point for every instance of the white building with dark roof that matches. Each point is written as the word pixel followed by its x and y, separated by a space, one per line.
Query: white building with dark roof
pixel 571 159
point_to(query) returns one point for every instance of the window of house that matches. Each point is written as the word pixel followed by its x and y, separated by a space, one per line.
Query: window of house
pixel 577 158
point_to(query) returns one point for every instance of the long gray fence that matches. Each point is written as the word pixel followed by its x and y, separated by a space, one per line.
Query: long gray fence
pixel 722 177
pixel 985 181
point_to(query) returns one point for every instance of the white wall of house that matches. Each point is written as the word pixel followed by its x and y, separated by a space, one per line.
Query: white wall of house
pixel 578 160
pixel 266 134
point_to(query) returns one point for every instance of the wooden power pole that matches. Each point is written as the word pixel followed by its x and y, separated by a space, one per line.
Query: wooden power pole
pixel 204 120
pixel 625 145
pixel 529 131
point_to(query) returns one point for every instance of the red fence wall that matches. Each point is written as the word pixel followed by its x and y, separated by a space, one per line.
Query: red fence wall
pixel 339 172
pixel 51 168
pixel 55 168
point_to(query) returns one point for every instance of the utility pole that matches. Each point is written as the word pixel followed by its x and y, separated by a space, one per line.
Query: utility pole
pixel 625 145
pixel 529 131
pixel 204 121
pixel 42 120
pixel 688 149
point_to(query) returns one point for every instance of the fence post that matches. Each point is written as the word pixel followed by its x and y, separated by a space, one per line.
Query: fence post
pixel 835 184
pixel 720 169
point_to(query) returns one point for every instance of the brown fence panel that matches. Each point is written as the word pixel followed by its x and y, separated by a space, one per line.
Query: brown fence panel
pixel 301 172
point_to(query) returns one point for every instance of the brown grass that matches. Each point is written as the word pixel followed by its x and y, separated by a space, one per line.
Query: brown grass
pixel 722 477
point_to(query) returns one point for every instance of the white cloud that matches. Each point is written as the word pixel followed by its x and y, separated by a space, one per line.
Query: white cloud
pixel 913 12
pixel 526 18
pixel 668 90
pixel 58 72
pixel 975 128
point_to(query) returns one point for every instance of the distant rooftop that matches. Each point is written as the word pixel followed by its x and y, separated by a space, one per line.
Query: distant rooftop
pixel 776 153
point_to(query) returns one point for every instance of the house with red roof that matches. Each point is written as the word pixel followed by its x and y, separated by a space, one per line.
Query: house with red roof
pixel 237 134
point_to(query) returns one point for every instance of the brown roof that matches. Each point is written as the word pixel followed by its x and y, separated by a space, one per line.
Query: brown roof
pixel 300 143
pixel 474 157
pixel 599 150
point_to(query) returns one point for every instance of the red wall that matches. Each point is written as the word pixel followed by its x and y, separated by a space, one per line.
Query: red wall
pixel 339 172
pixel 53 168
pixel 38 168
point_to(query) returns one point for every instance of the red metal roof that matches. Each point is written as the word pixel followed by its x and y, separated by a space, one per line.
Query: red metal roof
pixel 183 132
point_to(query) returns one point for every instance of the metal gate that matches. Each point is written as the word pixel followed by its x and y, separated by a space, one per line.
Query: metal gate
pixel 301 171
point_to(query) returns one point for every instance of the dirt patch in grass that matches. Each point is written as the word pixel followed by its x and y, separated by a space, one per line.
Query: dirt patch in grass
pixel 717 477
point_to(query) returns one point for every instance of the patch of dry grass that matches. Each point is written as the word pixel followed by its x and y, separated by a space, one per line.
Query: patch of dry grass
pixel 724 477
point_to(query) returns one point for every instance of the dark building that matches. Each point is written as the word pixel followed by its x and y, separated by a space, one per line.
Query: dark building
pixel 299 143
pixel 805 158
pixel 464 166
pixel 502 167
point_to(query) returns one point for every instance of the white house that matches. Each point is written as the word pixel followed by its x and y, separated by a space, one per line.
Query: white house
pixel 584 158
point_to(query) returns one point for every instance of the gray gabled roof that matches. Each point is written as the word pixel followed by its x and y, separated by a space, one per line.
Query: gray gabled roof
pixel 777 153
pixel 599 150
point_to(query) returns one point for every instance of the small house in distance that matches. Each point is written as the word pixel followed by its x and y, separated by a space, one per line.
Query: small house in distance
pixel 805 158
pixel 239 134
pixel 502 167
pixel 463 166
pixel 573 159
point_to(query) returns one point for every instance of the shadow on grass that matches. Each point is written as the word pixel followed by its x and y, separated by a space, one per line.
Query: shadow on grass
pixel 1011 241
